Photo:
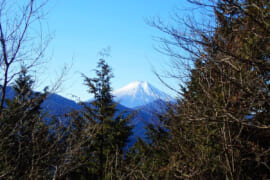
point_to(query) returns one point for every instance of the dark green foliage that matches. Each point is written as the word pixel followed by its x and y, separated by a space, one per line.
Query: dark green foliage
pixel 23 134
pixel 149 160
pixel 221 125
pixel 219 128
pixel 87 144
pixel 106 155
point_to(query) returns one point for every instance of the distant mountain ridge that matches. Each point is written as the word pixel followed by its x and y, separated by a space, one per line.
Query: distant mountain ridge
pixel 54 103
pixel 139 93
pixel 144 101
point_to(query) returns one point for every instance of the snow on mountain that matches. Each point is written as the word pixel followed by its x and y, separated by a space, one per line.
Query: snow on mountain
pixel 139 93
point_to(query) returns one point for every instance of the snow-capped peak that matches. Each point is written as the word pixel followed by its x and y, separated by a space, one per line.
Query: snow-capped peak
pixel 139 93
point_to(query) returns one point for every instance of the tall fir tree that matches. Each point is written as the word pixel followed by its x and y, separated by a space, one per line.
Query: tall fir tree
pixel 114 129
pixel 23 133
pixel 220 126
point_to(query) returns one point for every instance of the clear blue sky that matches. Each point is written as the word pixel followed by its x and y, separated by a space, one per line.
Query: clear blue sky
pixel 83 28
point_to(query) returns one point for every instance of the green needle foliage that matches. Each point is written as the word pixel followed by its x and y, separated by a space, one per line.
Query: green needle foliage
pixel 23 133
pixel 220 127
pixel 148 159
pixel 106 156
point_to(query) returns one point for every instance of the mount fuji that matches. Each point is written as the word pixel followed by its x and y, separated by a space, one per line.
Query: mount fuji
pixel 139 93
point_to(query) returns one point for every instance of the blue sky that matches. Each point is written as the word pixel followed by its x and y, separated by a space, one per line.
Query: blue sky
pixel 81 29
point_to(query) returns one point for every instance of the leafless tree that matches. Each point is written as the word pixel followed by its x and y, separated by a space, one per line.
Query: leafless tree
pixel 226 87
pixel 22 40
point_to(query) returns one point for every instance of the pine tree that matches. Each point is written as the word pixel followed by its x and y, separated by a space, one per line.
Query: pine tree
pixel 23 133
pixel 220 126
pixel 114 130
